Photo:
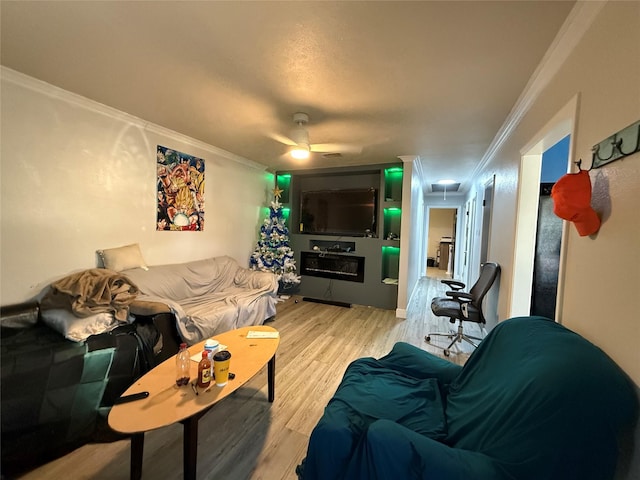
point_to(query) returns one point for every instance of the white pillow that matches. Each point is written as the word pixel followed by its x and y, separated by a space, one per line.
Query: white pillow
pixel 123 258
pixel 78 329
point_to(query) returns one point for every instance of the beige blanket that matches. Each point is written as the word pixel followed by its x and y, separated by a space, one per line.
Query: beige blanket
pixel 92 291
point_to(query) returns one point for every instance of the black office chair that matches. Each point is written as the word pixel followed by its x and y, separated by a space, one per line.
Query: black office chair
pixel 462 306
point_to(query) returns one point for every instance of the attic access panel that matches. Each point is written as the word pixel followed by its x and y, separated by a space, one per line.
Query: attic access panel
pixel 452 187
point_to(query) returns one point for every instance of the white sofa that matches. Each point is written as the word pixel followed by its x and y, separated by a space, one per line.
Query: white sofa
pixel 207 296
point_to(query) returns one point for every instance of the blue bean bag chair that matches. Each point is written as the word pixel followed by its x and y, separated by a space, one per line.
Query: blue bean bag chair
pixel 534 401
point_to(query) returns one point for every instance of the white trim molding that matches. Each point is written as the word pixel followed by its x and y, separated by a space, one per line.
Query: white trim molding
pixel 45 88
pixel 577 23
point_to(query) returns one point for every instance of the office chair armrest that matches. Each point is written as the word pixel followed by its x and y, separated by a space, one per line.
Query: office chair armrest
pixel 453 284
pixel 461 297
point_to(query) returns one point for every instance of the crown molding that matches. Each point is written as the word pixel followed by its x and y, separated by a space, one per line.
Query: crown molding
pixel 417 166
pixel 408 158
pixel 39 86
pixel 573 29
pixel 414 161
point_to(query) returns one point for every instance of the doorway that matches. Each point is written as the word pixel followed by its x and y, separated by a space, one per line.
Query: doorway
pixel 487 206
pixel 560 126
pixel 546 262
pixel 469 227
pixel 441 236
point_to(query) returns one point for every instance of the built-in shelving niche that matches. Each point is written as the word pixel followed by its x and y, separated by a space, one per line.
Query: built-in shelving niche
pixel 378 255
pixel 392 216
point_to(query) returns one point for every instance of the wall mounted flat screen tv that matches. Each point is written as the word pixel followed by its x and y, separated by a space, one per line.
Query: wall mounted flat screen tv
pixel 350 212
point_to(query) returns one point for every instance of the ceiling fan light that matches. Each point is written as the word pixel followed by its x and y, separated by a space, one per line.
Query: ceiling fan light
pixel 300 152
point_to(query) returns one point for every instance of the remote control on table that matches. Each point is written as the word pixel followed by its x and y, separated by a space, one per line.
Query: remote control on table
pixel 132 397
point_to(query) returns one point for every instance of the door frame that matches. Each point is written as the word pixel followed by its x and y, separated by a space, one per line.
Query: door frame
pixel 456 229
pixel 487 212
pixel 468 227
pixel 562 124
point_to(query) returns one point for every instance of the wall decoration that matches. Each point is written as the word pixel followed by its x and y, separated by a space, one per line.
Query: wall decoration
pixel 180 186
pixel 619 145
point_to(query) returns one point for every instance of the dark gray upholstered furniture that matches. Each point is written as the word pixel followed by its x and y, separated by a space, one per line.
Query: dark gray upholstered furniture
pixel 56 394
pixel 463 306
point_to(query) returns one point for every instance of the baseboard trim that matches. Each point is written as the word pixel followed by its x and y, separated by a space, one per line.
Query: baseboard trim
pixel 327 302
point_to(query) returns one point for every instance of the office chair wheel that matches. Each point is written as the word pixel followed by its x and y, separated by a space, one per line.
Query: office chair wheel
pixel 427 339
pixel 446 352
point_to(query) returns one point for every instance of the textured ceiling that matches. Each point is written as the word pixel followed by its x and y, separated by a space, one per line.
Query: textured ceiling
pixel 433 79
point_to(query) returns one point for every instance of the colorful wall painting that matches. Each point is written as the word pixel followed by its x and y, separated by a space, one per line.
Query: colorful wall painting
pixel 180 198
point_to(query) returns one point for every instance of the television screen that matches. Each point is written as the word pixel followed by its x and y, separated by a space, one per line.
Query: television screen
pixel 349 212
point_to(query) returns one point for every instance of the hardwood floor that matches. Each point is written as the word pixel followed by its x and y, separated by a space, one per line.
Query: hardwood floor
pixel 245 436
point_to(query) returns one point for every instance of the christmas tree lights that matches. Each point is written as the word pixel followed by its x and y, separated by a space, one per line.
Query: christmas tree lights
pixel 273 253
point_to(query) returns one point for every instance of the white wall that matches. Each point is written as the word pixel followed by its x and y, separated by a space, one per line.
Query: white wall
pixel 602 272
pixel 415 231
pixel 406 268
pixel 77 176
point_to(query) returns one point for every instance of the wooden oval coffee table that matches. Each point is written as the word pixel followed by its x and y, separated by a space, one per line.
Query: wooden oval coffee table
pixel 168 404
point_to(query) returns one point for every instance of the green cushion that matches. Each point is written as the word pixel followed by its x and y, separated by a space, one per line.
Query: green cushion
pixel 542 401
pixel 371 391
pixel 417 363
pixel 534 401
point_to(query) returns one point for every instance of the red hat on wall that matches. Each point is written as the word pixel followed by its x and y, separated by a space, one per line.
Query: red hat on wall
pixel 572 201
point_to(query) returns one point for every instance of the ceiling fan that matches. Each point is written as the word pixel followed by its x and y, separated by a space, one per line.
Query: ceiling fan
pixel 301 148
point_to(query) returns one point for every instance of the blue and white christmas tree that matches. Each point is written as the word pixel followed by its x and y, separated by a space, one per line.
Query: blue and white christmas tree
pixel 273 253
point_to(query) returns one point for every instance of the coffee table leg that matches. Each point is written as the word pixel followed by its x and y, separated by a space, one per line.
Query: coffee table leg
pixel 190 447
pixel 137 448
pixel 271 378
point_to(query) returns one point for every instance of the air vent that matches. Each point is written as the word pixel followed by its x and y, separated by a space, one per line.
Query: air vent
pixel 453 187
pixel 332 155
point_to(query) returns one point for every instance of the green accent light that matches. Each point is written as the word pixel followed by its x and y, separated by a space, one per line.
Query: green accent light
pixel 283 182
pixel 284 179
pixel 393 210
pixel 393 170
pixel 390 249
pixel 285 214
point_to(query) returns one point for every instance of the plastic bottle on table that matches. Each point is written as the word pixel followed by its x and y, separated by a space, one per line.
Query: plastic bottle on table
pixel 211 346
pixel 204 370
pixel 183 366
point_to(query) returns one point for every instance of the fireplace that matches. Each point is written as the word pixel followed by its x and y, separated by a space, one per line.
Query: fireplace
pixel 330 265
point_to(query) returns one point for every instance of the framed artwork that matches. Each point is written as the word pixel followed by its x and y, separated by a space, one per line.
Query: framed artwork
pixel 180 191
